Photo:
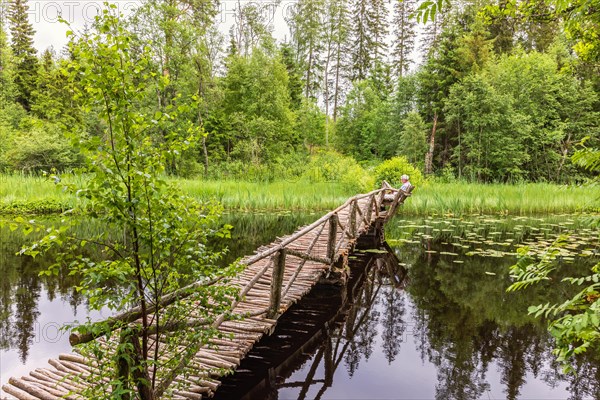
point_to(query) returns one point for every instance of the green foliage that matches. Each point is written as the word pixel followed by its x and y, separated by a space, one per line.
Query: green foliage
pixel 413 139
pixel 428 10
pixel 23 51
pixel 330 166
pixel 518 119
pixel 38 146
pixel 310 124
pixel 257 107
pixel 575 323
pixel 164 232
pixel 391 170
pixel 362 121
pixel 6 68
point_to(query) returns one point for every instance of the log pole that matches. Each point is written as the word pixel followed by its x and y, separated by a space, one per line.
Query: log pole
pixel 276 283
pixel 332 238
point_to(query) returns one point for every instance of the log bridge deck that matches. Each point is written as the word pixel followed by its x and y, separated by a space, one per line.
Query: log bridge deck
pixel 275 278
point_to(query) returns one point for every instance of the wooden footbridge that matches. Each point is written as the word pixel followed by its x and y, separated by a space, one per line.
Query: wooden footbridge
pixel 275 278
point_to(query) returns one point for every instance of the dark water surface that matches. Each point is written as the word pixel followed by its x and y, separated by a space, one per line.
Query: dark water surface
pixel 426 318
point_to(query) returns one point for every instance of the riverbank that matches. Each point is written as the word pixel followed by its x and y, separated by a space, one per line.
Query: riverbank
pixel 36 195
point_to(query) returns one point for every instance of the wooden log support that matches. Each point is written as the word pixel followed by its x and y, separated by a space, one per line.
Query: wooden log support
pixel 276 283
pixel 369 213
pixel 308 257
pixel 331 240
pixel 353 212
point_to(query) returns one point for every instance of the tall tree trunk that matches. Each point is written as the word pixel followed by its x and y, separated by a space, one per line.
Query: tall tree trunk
pixel 205 155
pixel 309 71
pixel 429 155
pixel 565 153
pixel 336 89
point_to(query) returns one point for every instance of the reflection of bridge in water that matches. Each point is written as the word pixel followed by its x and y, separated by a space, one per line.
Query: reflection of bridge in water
pixel 314 334
pixel 275 278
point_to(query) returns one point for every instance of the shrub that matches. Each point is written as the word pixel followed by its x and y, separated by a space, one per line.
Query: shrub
pixel 391 170
pixel 330 166
pixel 39 146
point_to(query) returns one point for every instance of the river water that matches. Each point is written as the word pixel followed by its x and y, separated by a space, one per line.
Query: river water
pixel 425 317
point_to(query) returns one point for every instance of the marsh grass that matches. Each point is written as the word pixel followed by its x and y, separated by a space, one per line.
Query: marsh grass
pixel 27 194
pixel 497 199
pixel 39 195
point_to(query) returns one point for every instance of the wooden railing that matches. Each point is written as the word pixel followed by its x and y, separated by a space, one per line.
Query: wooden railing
pixel 351 218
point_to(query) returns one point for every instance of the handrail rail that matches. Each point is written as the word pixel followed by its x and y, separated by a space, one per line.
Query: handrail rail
pixel 309 228
pixel 135 313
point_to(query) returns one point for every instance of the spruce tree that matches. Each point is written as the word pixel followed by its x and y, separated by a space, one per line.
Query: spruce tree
pixel 404 35
pixel 337 61
pixel 431 34
pixel 6 92
pixel 368 36
pixel 306 27
pixel 23 52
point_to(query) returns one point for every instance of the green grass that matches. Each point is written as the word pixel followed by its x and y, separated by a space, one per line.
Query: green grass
pixel 22 194
pixel 268 196
pixel 523 199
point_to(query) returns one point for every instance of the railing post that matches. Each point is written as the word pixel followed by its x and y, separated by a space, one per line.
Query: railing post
pixel 276 283
pixel 332 239
pixel 353 218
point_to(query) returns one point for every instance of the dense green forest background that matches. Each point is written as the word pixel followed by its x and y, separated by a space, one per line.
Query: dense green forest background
pixel 505 91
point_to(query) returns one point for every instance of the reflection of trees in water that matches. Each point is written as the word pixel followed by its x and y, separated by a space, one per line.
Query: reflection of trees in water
pixel 351 338
pixel 26 296
pixel 393 322
pixel 464 320
pixel 361 325
pixel 21 286
pixel 20 292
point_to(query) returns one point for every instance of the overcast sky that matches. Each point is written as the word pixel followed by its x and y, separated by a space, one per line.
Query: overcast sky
pixel 44 16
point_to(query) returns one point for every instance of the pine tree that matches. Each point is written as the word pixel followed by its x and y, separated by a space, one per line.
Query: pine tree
pixel 404 35
pixel 23 52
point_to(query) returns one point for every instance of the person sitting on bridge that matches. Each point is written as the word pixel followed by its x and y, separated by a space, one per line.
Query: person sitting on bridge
pixel 406 185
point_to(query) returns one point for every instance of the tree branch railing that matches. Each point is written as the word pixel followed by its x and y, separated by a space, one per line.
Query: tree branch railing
pixel 349 219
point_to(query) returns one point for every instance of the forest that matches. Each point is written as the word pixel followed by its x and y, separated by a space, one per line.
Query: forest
pixel 484 92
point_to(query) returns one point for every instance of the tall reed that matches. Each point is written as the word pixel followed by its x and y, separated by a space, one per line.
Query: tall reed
pixel 28 194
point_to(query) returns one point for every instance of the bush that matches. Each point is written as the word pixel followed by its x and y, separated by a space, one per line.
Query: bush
pixel 39 146
pixel 391 170
pixel 330 166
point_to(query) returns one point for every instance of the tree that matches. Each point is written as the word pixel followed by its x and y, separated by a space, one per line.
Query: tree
pixel 368 35
pixel 250 29
pixel 6 66
pixel 164 232
pixel 306 27
pixel 436 77
pixel 180 34
pixel 413 139
pixel 310 124
pixel 256 103
pixel 26 62
pixel 336 69
pixel 490 131
pixel 362 122
pixel 294 75
pixel 404 35
pixel 557 109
